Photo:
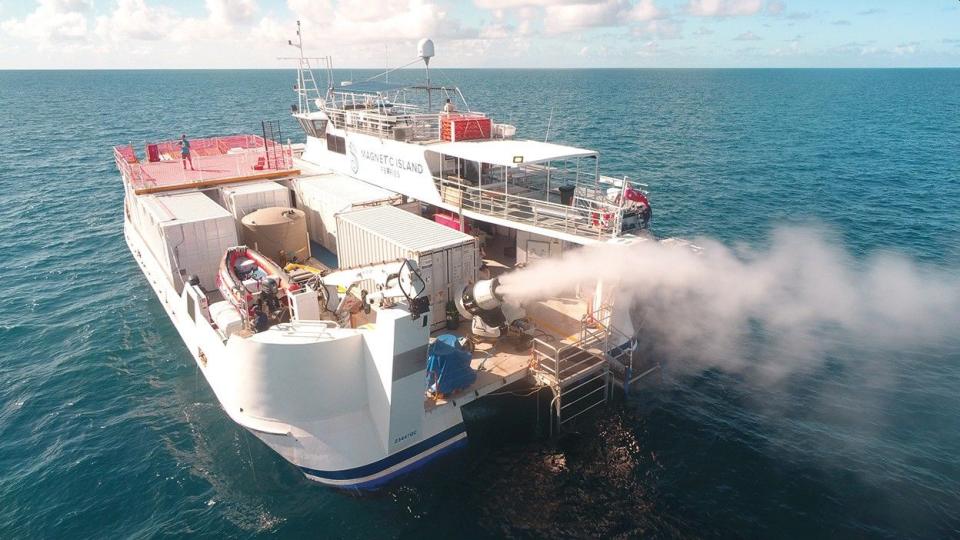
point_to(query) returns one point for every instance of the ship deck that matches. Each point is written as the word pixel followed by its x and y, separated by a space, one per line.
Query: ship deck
pixel 497 364
pixel 215 161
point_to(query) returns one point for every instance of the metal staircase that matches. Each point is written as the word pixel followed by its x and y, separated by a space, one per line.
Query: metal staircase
pixel 580 373
pixel 577 372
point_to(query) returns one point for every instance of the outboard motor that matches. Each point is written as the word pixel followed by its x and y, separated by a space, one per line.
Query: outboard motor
pixel 269 290
pixel 481 303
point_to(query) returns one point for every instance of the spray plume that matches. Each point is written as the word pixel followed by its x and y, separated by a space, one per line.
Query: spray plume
pixel 800 297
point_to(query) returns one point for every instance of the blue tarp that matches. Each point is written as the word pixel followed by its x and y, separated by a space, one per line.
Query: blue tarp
pixel 448 366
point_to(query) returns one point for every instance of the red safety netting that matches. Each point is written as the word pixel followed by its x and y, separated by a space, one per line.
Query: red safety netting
pixel 211 146
pixel 232 156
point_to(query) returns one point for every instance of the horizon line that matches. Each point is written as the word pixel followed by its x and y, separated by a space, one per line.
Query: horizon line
pixel 530 68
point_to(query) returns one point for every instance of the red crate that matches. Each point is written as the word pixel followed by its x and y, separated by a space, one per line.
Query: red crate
pixel 449 221
pixel 465 128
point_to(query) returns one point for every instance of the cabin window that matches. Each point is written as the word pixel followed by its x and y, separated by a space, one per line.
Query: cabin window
pixel 336 144
pixel 313 128
pixel 191 308
pixel 469 171
pixel 319 127
pixel 461 170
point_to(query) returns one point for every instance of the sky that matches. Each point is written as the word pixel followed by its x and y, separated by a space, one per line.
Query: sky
pixel 91 34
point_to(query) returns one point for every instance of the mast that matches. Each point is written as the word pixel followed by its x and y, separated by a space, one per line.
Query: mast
pixel 426 52
pixel 305 78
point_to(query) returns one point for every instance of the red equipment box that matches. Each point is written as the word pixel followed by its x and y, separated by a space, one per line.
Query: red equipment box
pixel 465 128
pixel 448 220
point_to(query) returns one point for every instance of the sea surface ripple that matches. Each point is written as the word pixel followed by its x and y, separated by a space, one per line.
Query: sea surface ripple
pixel 108 431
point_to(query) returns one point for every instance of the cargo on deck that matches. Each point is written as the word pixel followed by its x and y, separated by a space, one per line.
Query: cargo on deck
pixel 324 196
pixel 187 234
pixel 448 259
pixel 243 199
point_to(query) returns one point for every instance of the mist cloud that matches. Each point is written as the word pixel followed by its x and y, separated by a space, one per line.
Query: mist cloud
pixel 771 311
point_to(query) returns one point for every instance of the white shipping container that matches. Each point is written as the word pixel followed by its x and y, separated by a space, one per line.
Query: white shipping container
pixel 188 234
pixel 323 197
pixel 448 258
pixel 243 199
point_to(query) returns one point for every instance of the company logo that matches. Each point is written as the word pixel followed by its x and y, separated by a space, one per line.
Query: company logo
pixel 354 160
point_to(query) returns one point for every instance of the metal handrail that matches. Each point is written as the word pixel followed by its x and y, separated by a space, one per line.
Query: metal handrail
pixel 585 217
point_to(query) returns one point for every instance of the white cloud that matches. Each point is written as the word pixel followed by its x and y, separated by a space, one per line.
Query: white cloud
pixel 660 29
pixel 747 36
pixel 52 22
pixel 135 20
pixel 155 34
pixel 359 21
pixel 561 18
pixel 506 4
pixel 724 8
pixel 564 17
pixel 645 10
pixel 906 48
pixel 232 12
pixel 650 48
pixel 792 47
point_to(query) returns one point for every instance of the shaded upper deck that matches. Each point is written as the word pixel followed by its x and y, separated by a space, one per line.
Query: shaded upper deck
pixel 550 186
pixel 215 160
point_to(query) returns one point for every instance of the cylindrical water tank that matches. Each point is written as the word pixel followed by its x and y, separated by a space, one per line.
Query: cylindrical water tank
pixel 278 233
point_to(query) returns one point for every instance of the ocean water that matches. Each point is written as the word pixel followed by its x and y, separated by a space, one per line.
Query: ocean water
pixel 108 431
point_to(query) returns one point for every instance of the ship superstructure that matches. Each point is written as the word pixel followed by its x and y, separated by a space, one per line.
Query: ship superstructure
pixel 341 297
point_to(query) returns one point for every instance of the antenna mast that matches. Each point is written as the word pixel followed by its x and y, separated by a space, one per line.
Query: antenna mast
pixel 426 52
pixel 305 78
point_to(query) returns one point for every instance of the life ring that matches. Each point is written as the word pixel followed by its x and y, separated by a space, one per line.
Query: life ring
pixel 602 219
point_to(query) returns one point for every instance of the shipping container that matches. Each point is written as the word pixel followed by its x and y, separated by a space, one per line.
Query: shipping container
pixel 448 258
pixel 243 199
pixel 323 197
pixel 187 233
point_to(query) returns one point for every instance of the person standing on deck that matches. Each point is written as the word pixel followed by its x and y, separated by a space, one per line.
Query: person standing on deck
pixel 449 107
pixel 185 151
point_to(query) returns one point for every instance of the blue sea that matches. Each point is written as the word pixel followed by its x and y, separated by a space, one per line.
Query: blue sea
pixel 108 431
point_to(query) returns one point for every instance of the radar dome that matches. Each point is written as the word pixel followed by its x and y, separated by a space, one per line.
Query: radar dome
pixel 425 49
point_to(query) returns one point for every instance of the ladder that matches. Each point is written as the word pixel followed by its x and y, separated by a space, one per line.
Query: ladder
pixel 582 373
pixel 578 373
pixel 307 83
pixel 275 156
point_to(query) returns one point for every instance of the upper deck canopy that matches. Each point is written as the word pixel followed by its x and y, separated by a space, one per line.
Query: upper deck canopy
pixel 509 153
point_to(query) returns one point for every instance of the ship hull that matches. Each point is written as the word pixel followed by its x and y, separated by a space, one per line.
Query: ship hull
pixel 339 469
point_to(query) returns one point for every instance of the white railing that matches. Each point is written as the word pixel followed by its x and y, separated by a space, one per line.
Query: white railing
pixel 588 218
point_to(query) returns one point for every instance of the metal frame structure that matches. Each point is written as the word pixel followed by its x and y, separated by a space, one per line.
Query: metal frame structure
pixel 525 194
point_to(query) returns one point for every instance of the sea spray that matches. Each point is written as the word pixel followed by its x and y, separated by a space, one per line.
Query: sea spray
pixel 769 311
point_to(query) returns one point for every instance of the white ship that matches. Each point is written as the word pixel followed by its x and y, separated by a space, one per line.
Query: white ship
pixel 340 297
